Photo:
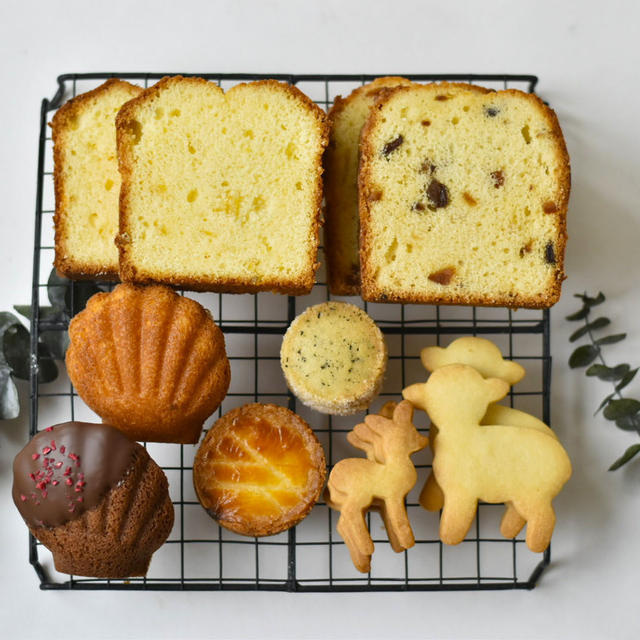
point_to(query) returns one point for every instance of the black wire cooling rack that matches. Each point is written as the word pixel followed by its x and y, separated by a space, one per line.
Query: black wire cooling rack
pixel 200 555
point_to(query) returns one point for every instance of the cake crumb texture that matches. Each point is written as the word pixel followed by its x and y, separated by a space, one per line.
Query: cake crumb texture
pixel 463 195
pixel 221 192
pixel 87 182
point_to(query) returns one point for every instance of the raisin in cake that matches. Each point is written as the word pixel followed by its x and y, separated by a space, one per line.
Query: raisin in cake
pixel 87 182
pixel 463 196
pixel 342 225
pixel 221 191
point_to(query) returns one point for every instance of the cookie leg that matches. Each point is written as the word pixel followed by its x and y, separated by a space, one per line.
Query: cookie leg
pixel 539 529
pixel 351 526
pixel 431 496
pixel 397 524
pixel 512 522
pixel 458 513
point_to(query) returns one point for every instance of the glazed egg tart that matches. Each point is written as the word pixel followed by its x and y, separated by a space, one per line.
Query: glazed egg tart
pixel 259 470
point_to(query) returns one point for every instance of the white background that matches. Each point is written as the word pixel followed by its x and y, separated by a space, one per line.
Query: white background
pixel 587 55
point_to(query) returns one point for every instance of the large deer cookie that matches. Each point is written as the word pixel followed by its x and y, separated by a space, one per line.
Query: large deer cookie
pixel 484 356
pixel 380 482
pixel 493 463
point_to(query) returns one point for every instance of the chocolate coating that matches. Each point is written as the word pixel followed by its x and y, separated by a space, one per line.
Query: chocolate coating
pixel 67 469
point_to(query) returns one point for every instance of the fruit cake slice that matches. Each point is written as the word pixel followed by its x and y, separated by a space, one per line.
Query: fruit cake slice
pixel 463 195
pixel 221 191
pixel 342 225
pixel 87 182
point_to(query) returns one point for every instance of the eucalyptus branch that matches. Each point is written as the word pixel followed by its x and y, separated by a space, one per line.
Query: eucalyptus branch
pixel 625 412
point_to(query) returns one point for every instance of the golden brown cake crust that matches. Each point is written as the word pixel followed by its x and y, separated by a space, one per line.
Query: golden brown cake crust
pixel 65 266
pixel 149 362
pixel 371 291
pixel 128 270
pixel 116 538
pixel 343 279
pixel 259 470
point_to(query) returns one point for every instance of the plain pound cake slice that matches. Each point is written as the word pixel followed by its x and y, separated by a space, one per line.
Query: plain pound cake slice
pixel 463 195
pixel 87 182
pixel 342 225
pixel 221 192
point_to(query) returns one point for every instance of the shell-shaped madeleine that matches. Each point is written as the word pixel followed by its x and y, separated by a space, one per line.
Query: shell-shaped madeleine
pixel 116 538
pixel 148 361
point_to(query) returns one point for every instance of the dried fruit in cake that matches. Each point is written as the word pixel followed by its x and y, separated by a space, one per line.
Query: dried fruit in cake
pixel 470 209
pixel 148 361
pixel 259 470
pixel 342 225
pixel 94 498
pixel 87 182
pixel 334 357
pixel 221 191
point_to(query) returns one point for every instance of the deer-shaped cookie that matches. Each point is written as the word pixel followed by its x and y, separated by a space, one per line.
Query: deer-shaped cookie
pixel 381 482
pixel 485 357
pixel 494 463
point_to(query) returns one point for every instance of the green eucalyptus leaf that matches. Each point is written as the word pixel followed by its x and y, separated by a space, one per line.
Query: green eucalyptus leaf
pixel 57 287
pixel 604 402
pixel 579 315
pixel 16 345
pixel 612 339
pixel 591 302
pixel 583 356
pixel 629 423
pixel 628 377
pixel 57 342
pixel 47 368
pixel 631 452
pixel 23 310
pixel 598 323
pixel 621 408
pixel 9 403
pixel 79 292
pixel 608 374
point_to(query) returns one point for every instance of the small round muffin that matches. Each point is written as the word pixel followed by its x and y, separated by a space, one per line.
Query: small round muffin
pixel 94 498
pixel 149 362
pixel 334 357
pixel 259 470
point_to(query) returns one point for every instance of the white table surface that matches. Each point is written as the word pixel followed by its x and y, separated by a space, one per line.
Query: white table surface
pixel 587 56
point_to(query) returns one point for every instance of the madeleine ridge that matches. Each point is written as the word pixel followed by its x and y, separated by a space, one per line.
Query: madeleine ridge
pixel 148 361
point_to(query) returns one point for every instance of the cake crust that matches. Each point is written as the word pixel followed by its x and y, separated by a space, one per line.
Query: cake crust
pixel 62 123
pixel 132 272
pixel 367 197
pixel 340 234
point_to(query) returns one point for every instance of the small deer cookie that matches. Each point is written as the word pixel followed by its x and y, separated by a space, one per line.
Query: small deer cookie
pixel 485 357
pixel 380 482
pixel 494 463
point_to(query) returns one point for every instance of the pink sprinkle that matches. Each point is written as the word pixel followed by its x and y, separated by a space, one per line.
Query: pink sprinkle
pixel 53 445
pixel 79 499
pixel 73 456
pixel 62 448
pixel 41 485
pixel 49 429
pixel 72 508
pixel 32 476
pixel 46 450
pixel 68 482
pixel 80 483
pixel 77 489
pixel 67 471
pixel 37 502
pixel 23 497
pixel 49 473
pixel 44 494
pixel 55 483
pixel 35 456
pixel 57 465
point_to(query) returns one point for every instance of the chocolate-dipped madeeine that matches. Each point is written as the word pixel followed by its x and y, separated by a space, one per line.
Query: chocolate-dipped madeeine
pixel 94 498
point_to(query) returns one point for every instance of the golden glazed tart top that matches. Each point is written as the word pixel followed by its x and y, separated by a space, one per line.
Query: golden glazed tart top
pixel 259 470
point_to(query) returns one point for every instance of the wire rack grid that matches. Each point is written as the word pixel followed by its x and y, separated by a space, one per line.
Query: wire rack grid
pixel 200 555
